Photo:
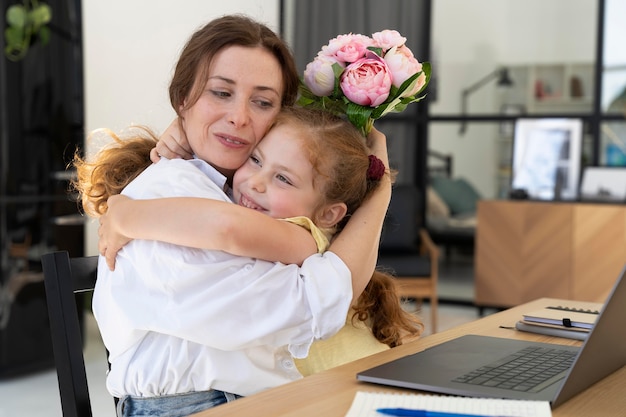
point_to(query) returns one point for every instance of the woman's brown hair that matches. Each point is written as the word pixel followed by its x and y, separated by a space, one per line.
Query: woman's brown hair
pixel 192 69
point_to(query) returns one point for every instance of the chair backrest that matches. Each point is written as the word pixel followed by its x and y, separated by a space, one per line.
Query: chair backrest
pixel 62 278
pixel 401 228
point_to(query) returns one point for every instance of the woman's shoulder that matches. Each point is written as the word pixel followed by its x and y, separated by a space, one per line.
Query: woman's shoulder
pixel 178 178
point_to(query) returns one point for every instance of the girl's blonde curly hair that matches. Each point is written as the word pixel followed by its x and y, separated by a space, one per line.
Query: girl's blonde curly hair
pixel 116 165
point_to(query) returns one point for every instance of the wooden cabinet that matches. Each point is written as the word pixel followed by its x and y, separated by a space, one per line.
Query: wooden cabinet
pixel 527 250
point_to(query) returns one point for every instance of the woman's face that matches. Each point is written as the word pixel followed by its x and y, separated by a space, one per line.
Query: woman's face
pixel 239 102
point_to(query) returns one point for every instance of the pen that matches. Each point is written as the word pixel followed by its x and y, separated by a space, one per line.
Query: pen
pixel 421 413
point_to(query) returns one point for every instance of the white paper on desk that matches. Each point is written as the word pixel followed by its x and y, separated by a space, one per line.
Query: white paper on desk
pixel 366 403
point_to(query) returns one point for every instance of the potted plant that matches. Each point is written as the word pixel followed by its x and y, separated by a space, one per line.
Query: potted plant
pixel 26 24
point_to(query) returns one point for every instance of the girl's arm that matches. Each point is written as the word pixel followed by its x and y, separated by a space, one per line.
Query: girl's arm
pixel 172 144
pixel 207 224
pixel 357 244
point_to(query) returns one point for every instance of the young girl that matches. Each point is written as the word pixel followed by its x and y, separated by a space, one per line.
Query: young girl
pixel 323 183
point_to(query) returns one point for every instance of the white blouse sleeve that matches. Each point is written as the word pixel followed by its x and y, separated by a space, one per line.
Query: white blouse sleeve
pixel 258 303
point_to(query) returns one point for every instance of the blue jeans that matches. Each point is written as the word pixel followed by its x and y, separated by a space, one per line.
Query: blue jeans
pixel 177 405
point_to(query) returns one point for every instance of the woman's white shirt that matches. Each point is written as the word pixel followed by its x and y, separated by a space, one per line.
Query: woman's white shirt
pixel 177 319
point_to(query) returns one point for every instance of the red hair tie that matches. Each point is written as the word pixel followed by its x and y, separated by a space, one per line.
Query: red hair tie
pixel 376 170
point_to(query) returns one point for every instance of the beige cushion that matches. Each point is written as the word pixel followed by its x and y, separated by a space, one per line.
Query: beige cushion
pixel 435 206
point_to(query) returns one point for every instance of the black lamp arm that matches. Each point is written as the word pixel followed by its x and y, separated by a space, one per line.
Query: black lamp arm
pixel 497 73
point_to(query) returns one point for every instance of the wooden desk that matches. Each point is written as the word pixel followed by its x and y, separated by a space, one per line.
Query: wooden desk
pixel 330 393
pixel 530 249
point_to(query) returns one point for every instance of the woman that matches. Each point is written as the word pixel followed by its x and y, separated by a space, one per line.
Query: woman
pixel 225 110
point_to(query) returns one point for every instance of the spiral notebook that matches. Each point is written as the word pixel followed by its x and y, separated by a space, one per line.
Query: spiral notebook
pixel 583 315
pixel 365 404
pixel 572 321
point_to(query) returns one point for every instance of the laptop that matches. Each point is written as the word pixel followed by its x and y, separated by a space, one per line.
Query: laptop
pixel 465 365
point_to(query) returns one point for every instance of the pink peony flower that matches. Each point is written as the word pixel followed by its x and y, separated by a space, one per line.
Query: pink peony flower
pixel 403 65
pixel 347 48
pixel 367 81
pixel 387 39
pixel 319 75
pixel 365 77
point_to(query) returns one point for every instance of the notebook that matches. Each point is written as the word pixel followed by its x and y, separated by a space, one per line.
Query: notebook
pixel 566 316
pixel 452 367
pixel 365 404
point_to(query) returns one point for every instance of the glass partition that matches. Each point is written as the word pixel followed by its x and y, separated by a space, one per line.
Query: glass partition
pixel 547 49
pixel 612 147
pixel 614 74
pixel 494 61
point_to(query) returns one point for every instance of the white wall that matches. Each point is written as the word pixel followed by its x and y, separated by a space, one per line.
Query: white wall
pixel 130 50
pixel 471 39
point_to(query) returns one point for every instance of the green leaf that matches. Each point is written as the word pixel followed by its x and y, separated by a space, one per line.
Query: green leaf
pixel 426 69
pixel 409 83
pixel 393 93
pixel 40 16
pixel 337 70
pixel 14 37
pixel 387 109
pixel 358 115
pixel 337 106
pixel 44 35
pixel 377 50
pixel 16 16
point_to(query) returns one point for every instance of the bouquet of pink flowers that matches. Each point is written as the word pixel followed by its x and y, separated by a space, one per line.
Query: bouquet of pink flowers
pixel 364 78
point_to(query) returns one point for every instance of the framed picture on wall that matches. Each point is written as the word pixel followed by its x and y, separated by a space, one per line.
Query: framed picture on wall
pixel 546 157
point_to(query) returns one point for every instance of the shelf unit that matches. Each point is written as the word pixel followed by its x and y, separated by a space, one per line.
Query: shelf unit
pixel 538 89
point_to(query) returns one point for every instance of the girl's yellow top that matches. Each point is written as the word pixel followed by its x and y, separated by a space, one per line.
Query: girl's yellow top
pixel 354 341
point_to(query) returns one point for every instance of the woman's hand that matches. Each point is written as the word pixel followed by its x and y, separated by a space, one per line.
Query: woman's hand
pixel 111 239
pixel 172 144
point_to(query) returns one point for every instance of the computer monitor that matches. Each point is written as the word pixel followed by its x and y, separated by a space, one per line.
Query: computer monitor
pixel 606 184
pixel 546 158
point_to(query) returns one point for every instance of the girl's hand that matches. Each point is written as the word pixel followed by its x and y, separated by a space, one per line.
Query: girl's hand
pixel 377 143
pixel 172 144
pixel 111 240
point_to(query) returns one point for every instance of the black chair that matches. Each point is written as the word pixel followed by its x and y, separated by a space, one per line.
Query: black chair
pixel 407 251
pixel 63 277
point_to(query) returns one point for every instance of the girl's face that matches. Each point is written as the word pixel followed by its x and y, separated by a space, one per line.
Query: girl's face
pixel 278 177
pixel 240 100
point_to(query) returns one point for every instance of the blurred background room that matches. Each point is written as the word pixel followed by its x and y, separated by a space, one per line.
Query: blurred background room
pixel 515 84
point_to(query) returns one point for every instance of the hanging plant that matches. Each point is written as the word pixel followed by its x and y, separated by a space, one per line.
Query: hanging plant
pixel 26 24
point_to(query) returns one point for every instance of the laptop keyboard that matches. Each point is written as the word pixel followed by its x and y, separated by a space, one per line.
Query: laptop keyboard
pixel 530 369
